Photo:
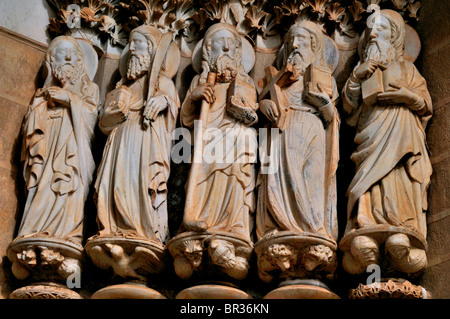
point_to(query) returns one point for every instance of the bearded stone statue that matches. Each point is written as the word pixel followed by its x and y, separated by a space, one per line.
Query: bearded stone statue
pixel 296 215
pixel 131 185
pixel 58 167
pixel 387 100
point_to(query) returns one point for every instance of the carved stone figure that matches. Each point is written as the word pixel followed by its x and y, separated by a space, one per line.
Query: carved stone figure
pixel 387 100
pixel 219 193
pixel 296 211
pixel 58 166
pixel 131 187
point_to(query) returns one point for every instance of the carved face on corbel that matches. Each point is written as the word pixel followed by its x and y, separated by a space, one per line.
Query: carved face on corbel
pixel 365 250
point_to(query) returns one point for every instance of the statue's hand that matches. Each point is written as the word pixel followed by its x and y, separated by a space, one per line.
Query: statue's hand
pixel 317 98
pixel 366 69
pixel 55 94
pixel 401 95
pixel 154 106
pixel 204 91
pixel 269 109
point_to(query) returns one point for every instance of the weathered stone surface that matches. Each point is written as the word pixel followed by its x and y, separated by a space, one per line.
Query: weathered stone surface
pixel 438 134
pixel 438 241
pixel 436 280
pixel 11 137
pixel 22 61
pixel 435 66
pixel 439 190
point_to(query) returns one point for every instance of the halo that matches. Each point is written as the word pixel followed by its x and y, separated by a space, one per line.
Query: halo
pixel 90 57
pixel 412 44
pixel 331 53
pixel 248 56
pixel 170 66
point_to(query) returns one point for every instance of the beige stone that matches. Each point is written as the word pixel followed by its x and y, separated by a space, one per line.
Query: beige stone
pixel 212 292
pixel 58 167
pixel 131 187
pixel 296 216
pixel 387 197
pixel 219 192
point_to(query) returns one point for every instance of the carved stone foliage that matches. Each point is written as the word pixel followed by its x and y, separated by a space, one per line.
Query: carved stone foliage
pixel 112 20
pixel 392 289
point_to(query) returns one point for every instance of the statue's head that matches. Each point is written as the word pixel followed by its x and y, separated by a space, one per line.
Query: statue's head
pixel 222 51
pixel 143 42
pixel 304 44
pixel 365 250
pixel 222 253
pixel 384 36
pixel 282 255
pixel 65 59
pixel 398 245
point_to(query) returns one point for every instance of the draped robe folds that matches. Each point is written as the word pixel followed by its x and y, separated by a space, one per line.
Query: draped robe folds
pixel 393 168
pixel 300 196
pixel 224 191
pixel 131 185
pixel 58 165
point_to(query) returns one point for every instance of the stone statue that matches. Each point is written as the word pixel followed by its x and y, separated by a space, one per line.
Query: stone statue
pixel 58 166
pixel 219 194
pixel 296 214
pixel 131 187
pixel 387 100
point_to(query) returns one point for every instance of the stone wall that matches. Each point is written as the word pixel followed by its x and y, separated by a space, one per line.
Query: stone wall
pixel 434 64
pixel 20 61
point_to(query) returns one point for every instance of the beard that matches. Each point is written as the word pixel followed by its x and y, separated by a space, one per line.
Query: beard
pixel 225 67
pixel 379 51
pixel 138 65
pixel 66 73
pixel 300 60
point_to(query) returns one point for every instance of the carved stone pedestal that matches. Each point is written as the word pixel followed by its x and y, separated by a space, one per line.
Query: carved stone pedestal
pixel 47 263
pixel 128 291
pixel 44 291
pixel 302 289
pixel 390 289
pixel 130 258
pixel 208 254
pixel 212 291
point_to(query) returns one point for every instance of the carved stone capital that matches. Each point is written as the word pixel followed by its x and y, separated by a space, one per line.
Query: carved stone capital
pixel 130 258
pixel 295 255
pixel 45 258
pixel 209 252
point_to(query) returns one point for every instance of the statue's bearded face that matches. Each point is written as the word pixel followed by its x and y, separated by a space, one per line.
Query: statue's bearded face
pixel 300 46
pixel 65 66
pixel 140 58
pixel 223 53
pixel 379 47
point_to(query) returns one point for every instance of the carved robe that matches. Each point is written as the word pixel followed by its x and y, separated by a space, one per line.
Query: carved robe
pixel 224 194
pixel 131 188
pixel 392 165
pixel 58 165
pixel 300 196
